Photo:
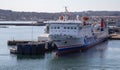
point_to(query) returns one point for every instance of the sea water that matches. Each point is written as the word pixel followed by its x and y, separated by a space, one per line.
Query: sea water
pixel 105 56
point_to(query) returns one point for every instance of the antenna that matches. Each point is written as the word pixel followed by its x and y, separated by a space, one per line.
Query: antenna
pixel 66 12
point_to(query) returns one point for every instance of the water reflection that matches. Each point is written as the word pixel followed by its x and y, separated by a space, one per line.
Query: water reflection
pixel 21 57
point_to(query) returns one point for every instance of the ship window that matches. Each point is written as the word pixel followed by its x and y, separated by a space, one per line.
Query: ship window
pixel 68 27
pixel 58 27
pixel 65 42
pixel 80 27
pixel 51 27
pixel 64 27
pixel 71 27
pixel 54 27
pixel 74 27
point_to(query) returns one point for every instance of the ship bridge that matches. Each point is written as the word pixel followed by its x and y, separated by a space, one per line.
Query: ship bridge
pixel 64 28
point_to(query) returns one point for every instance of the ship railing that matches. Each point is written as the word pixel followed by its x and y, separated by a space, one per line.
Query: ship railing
pixel 60 21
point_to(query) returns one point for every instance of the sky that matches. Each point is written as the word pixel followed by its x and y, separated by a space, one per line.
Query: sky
pixel 58 5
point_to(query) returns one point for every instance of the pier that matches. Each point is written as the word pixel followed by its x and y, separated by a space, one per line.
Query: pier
pixel 15 42
pixel 114 37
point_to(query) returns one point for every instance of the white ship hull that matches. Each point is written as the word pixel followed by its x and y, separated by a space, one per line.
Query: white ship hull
pixel 73 45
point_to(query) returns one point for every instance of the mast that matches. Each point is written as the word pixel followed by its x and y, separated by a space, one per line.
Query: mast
pixel 66 12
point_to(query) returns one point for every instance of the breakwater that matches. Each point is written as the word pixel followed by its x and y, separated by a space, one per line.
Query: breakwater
pixel 22 23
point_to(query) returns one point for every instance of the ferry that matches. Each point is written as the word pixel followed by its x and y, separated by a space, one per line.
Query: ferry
pixel 76 35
